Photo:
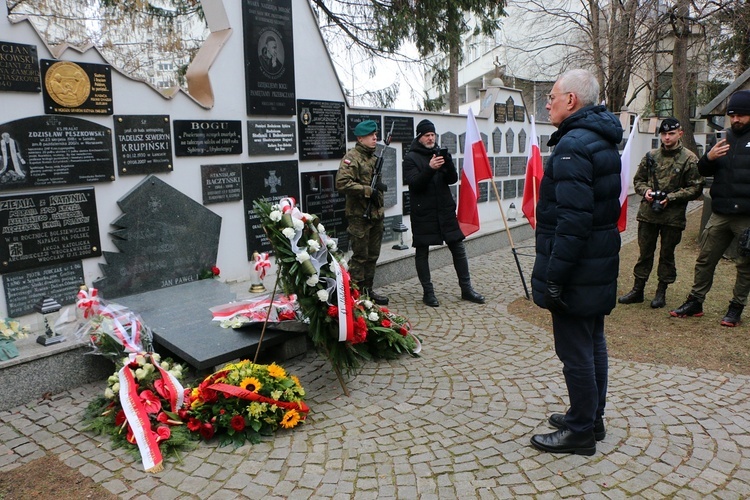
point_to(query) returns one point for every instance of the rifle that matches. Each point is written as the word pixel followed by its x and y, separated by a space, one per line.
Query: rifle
pixel 377 171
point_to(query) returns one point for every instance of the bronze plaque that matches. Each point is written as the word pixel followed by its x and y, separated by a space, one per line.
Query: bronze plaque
pixel 72 87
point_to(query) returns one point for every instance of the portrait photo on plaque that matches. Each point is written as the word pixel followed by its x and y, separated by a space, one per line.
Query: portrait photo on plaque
pixel 19 68
pixel 54 150
pixel 143 144
pixel 76 87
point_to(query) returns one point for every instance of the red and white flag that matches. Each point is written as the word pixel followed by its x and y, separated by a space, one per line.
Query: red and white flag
pixel 476 168
pixel 534 173
pixel 625 178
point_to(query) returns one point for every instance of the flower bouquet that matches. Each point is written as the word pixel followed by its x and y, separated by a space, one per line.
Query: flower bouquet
pixel 244 401
pixel 256 310
pixel 349 328
pixel 10 331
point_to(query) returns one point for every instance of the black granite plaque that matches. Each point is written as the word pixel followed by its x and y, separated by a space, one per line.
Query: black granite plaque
pixel 41 229
pixel 164 239
pixel 321 130
pixel 54 150
pixel 499 188
pixel 406 201
pixel 389 222
pixel 454 191
pixel 500 112
pixel 19 67
pixel 319 197
pixel 510 109
pixel 403 128
pixel 509 189
pixel 518 165
pixel 388 175
pixel 509 138
pixel 143 144
pixel 521 183
pixel 522 141
pixel 462 142
pixel 502 166
pixel 449 140
pixel 207 137
pixel 483 136
pixel 483 194
pixel 271 138
pixel 23 289
pixel 543 140
pixel 76 87
pixel 405 147
pixel 497 140
pixel 269 57
pixel 353 120
pixel 221 183
pixel 520 114
pixel 271 181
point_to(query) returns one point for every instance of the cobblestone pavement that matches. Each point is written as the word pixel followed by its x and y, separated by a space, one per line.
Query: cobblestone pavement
pixel 454 423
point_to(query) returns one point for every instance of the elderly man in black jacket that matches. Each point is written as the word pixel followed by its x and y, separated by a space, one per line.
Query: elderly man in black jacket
pixel 577 254
pixel 433 211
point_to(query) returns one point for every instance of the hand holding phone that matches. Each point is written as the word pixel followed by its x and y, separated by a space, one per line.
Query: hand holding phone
pixel 442 152
pixel 721 135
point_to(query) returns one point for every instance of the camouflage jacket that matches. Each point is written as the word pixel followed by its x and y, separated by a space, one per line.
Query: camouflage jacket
pixel 676 173
pixel 354 179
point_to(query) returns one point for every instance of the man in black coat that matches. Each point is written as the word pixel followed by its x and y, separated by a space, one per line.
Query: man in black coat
pixel 577 254
pixel 433 211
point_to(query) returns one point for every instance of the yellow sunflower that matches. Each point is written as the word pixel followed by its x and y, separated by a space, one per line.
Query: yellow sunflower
pixel 291 418
pixel 276 371
pixel 295 379
pixel 251 384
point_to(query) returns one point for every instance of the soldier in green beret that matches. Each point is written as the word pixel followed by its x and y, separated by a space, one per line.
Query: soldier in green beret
pixel 354 180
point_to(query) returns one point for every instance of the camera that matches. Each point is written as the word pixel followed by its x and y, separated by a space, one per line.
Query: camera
pixel 657 198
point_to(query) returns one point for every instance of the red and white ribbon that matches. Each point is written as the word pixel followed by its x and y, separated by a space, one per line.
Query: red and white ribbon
pixel 345 302
pixel 88 300
pixel 262 264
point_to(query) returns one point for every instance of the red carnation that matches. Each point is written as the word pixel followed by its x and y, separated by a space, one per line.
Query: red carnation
pixel 215 270
pixel 403 331
pixel 193 424
pixel 385 310
pixel 238 422
pixel 207 431
pixel 333 311
pixel 386 323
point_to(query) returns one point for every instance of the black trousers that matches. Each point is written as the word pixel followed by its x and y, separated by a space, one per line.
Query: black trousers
pixel 460 264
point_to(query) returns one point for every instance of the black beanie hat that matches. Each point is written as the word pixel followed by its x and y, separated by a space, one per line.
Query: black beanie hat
pixel 668 124
pixel 739 103
pixel 424 127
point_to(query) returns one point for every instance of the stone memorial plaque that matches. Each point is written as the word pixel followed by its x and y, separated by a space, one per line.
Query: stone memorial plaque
pixel 271 181
pixel 76 87
pixel 389 177
pixel 24 289
pixel 221 183
pixel 522 141
pixel 319 197
pixel 462 142
pixel 207 137
pixel 19 68
pixel 509 140
pixel 274 137
pixel 405 147
pixel 389 222
pixel 483 194
pixel 54 150
pixel 543 140
pixel 499 187
pixel 321 130
pixel 353 120
pixel 491 160
pixel 143 144
pixel 269 57
pixel 497 140
pixel 502 166
pixel 406 201
pixel 454 191
pixel 403 128
pixel 518 165
pixel 449 140
pixel 510 109
pixel 483 136
pixel 520 183
pixel 509 189
pixel 500 111
pixel 164 239
pixel 41 229
pixel 520 114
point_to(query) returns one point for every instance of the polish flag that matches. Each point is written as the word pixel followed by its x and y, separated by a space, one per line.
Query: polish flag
pixel 534 173
pixel 476 168
pixel 625 178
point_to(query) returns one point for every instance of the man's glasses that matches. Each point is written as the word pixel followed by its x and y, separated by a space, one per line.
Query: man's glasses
pixel 551 96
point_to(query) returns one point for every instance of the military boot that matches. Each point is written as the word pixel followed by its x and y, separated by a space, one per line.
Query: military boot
pixel 732 318
pixel 380 300
pixel 634 296
pixel 660 298
pixel 691 307
pixel 429 295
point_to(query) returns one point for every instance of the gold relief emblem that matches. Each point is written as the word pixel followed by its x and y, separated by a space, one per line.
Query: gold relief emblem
pixel 67 84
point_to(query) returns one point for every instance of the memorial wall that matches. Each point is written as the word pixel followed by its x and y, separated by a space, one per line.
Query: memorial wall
pixel 107 181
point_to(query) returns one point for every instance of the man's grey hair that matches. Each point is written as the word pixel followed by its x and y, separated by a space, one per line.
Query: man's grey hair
pixel 582 83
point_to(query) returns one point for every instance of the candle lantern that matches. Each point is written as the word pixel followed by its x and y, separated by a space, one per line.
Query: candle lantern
pixel 401 229
pixel 512 212
pixel 47 314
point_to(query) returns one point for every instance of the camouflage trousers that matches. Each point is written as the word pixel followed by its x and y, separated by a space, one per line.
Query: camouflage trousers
pixel 718 234
pixel 365 238
pixel 648 234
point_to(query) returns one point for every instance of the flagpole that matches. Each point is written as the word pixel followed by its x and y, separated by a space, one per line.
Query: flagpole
pixel 510 239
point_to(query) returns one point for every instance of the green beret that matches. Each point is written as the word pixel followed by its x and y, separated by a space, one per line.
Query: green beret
pixel 366 127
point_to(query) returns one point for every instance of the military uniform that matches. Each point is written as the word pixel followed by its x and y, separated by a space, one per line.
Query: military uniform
pixel 354 180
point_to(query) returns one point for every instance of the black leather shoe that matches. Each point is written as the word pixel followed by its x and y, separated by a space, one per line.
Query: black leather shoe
pixel 380 300
pixel 430 300
pixel 557 420
pixel 566 441
pixel 472 296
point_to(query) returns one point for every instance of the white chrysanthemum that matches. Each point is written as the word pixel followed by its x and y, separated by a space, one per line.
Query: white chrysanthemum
pixel 298 224
pixel 373 316
pixel 303 257
pixel 312 280
pixel 275 215
pixel 288 232
pixel 313 245
pixel 321 228
pixel 367 304
pixel 332 245
pixel 109 394
pixel 323 295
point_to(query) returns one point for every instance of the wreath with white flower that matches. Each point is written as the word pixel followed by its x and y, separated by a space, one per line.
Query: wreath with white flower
pixel 347 327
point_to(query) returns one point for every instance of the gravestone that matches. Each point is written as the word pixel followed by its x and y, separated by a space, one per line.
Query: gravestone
pixel 164 239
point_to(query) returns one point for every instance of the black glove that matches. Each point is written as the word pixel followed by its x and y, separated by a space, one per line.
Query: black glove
pixel 381 187
pixel 553 299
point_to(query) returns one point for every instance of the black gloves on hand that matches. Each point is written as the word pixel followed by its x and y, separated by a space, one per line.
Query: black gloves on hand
pixel 553 299
pixel 381 187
